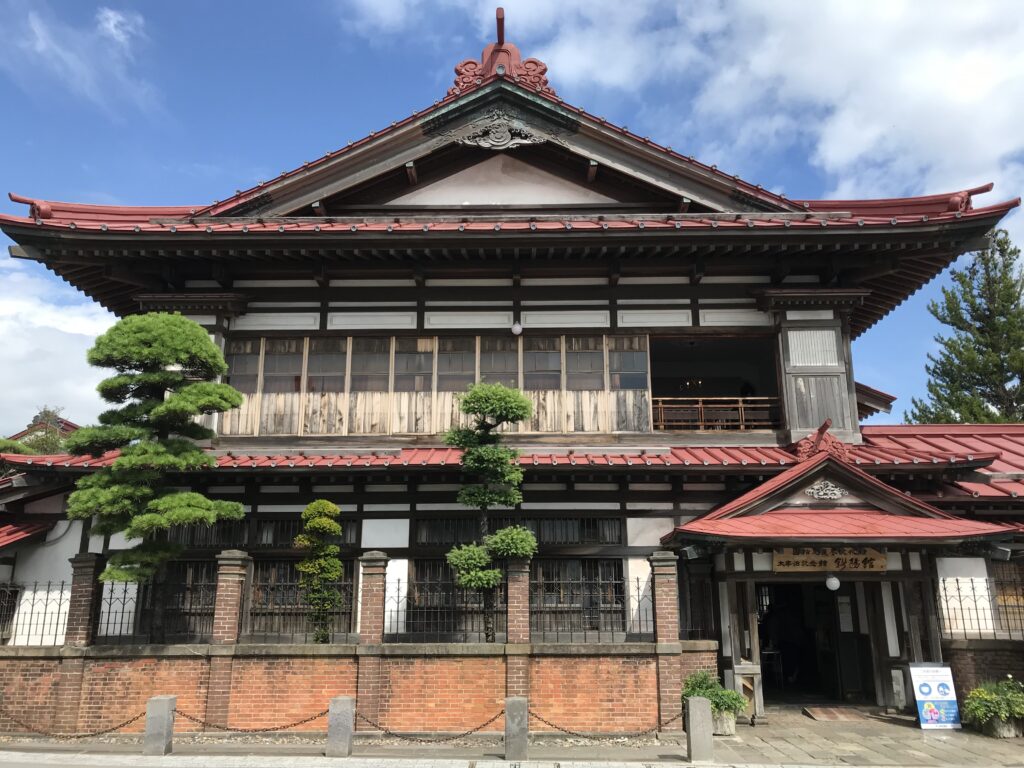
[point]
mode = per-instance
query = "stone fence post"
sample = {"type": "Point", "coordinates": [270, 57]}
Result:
{"type": "Point", "coordinates": [665, 596]}
{"type": "Point", "coordinates": [372, 596]}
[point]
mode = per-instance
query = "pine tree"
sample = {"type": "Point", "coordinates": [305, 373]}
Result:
{"type": "Point", "coordinates": [978, 374]}
{"type": "Point", "coordinates": [498, 478]}
{"type": "Point", "coordinates": [166, 369]}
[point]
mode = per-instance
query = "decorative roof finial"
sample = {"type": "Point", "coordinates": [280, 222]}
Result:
{"type": "Point", "coordinates": [501, 59]}
{"type": "Point", "coordinates": [822, 441]}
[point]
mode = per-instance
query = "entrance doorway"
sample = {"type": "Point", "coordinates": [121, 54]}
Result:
{"type": "Point", "coordinates": [812, 645]}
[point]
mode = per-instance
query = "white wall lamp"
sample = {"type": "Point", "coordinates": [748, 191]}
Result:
{"type": "Point", "coordinates": [517, 328]}
{"type": "Point", "coordinates": [832, 583]}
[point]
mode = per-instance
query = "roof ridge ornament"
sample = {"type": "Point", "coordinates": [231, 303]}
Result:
{"type": "Point", "coordinates": [501, 59]}
{"type": "Point", "coordinates": [822, 441]}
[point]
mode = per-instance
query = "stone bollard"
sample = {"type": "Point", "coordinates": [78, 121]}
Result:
{"type": "Point", "coordinates": [699, 730]}
{"type": "Point", "coordinates": [517, 727]}
{"type": "Point", "coordinates": [341, 724]}
{"type": "Point", "coordinates": [159, 725]}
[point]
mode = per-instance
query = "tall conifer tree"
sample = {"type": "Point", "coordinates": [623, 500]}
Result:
{"type": "Point", "coordinates": [978, 374]}
{"type": "Point", "coordinates": [166, 371]}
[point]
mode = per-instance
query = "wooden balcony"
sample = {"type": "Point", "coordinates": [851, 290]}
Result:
{"type": "Point", "coordinates": [716, 413]}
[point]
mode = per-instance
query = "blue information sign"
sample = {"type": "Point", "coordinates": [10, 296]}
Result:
{"type": "Point", "coordinates": [935, 696]}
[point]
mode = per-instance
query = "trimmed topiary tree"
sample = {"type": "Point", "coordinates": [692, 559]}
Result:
{"type": "Point", "coordinates": [498, 480]}
{"type": "Point", "coordinates": [166, 369]}
{"type": "Point", "coordinates": [321, 569]}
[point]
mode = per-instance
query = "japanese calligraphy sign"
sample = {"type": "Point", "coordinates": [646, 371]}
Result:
{"type": "Point", "coordinates": [828, 560]}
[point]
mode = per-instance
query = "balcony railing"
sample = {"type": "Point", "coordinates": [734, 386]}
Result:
{"type": "Point", "coordinates": [716, 413]}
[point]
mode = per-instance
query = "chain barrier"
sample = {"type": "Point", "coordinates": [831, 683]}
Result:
{"type": "Point", "coordinates": [215, 726]}
{"type": "Point", "coordinates": [422, 740]}
{"type": "Point", "coordinates": [580, 735]}
{"type": "Point", "coordinates": [56, 735]}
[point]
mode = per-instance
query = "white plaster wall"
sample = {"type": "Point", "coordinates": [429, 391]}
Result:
{"type": "Point", "coordinates": [647, 531]}
{"type": "Point", "coordinates": [966, 606]}
{"type": "Point", "coordinates": [51, 505]}
{"type": "Point", "coordinates": [396, 590]}
{"type": "Point", "coordinates": [501, 180]}
{"type": "Point", "coordinates": [639, 597]}
{"type": "Point", "coordinates": [44, 571]}
{"type": "Point", "coordinates": [385, 533]}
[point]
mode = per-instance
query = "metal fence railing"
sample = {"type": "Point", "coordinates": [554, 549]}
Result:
{"type": "Point", "coordinates": [34, 613]}
{"type": "Point", "coordinates": [441, 612]}
{"type": "Point", "coordinates": [279, 612]}
{"type": "Point", "coordinates": [981, 608]}
{"type": "Point", "coordinates": [163, 611]}
{"type": "Point", "coordinates": [591, 611]}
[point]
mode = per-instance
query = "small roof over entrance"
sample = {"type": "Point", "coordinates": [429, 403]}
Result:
{"type": "Point", "coordinates": [825, 499]}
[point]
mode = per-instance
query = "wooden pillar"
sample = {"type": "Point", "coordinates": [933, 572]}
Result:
{"type": "Point", "coordinates": [517, 637]}
{"type": "Point", "coordinates": [84, 600]}
{"type": "Point", "coordinates": [369, 680]}
{"type": "Point", "coordinates": [665, 591]}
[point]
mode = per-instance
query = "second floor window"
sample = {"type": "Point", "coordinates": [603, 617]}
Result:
{"type": "Point", "coordinates": [584, 363]}
{"type": "Point", "coordinates": [542, 363]}
{"type": "Point", "coordinates": [243, 359]}
{"type": "Point", "coordinates": [499, 360]}
{"type": "Point", "coordinates": [282, 365]}
{"type": "Point", "coordinates": [325, 368]}
{"type": "Point", "coordinates": [371, 363]}
{"type": "Point", "coordinates": [414, 365]}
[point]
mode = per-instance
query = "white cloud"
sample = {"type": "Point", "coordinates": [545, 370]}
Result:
{"type": "Point", "coordinates": [95, 62]}
{"type": "Point", "coordinates": [46, 331]}
{"type": "Point", "coordinates": [881, 97]}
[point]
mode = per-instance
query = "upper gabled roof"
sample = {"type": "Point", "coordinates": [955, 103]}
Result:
{"type": "Point", "coordinates": [499, 102]}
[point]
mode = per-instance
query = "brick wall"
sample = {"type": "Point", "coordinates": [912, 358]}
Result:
{"type": "Point", "coordinates": [976, 661]}
{"type": "Point", "coordinates": [117, 689]}
{"type": "Point", "coordinates": [29, 691]}
{"type": "Point", "coordinates": [595, 693]}
{"type": "Point", "coordinates": [268, 692]}
{"type": "Point", "coordinates": [422, 688]}
{"type": "Point", "coordinates": [442, 693]}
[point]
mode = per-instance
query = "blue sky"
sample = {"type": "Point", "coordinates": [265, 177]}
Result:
{"type": "Point", "coordinates": [184, 102]}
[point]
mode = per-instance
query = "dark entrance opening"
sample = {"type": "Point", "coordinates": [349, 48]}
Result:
{"type": "Point", "coordinates": [812, 645]}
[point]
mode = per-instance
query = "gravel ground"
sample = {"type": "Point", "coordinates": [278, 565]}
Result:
{"type": "Point", "coordinates": [316, 739]}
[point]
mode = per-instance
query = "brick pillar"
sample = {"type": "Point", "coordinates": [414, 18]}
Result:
{"type": "Point", "coordinates": [371, 635]}
{"type": "Point", "coordinates": [665, 593]}
{"type": "Point", "coordinates": [517, 659]}
{"type": "Point", "coordinates": [233, 568]}
{"type": "Point", "coordinates": [232, 574]}
{"type": "Point", "coordinates": [84, 600]}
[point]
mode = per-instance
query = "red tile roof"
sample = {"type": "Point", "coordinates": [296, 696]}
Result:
{"type": "Point", "coordinates": [840, 525]}
{"type": "Point", "coordinates": [1005, 441]}
{"type": "Point", "coordinates": [121, 220]}
{"type": "Point", "coordinates": [440, 457]}
{"type": "Point", "coordinates": [15, 532]}
{"type": "Point", "coordinates": [739, 518]}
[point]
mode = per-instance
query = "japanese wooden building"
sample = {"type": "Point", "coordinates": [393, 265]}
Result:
{"type": "Point", "coordinates": [685, 337]}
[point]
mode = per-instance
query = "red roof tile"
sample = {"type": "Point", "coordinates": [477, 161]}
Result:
{"type": "Point", "coordinates": [124, 221]}
{"type": "Point", "coordinates": [440, 457]}
{"type": "Point", "coordinates": [15, 532]}
{"type": "Point", "coordinates": [839, 525]}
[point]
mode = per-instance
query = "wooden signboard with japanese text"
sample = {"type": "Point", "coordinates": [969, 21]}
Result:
{"type": "Point", "coordinates": [828, 560]}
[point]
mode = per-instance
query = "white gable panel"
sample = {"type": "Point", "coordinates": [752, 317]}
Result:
{"type": "Point", "coordinates": [502, 180]}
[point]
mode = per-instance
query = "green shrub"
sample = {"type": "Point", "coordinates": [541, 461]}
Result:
{"type": "Point", "coordinates": [722, 699]}
{"type": "Point", "coordinates": [321, 569]}
{"type": "Point", "coordinates": [1001, 700]}
{"type": "Point", "coordinates": [512, 542]}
